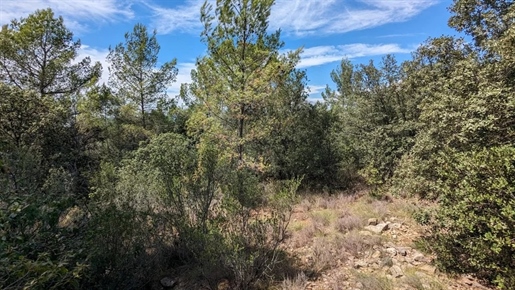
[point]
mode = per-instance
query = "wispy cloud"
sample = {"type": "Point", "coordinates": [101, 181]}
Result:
{"type": "Point", "coordinates": [76, 13]}
{"type": "Point", "coordinates": [306, 17]}
{"type": "Point", "coordinates": [183, 18]}
{"type": "Point", "coordinates": [315, 89]}
{"type": "Point", "coordinates": [302, 17]}
{"type": "Point", "coordinates": [399, 35]}
{"type": "Point", "coordinates": [319, 55]}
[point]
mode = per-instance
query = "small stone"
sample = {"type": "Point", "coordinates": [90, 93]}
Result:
{"type": "Point", "coordinates": [379, 228]}
{"type": "Point", "coordinates": [372, 222]}
{"type": "Point", "coordinates": [360, 264]}
{"type": "Point", "coordinates": [394, 237]}
{"type": "Point", "coordinates": [167, 282]}
{"type": "Point", "coordinates": [419, 257]}
{"type": "Point", "coordinates": [402, 251]}
{"type": "Point", "coordinates": [391, 251]}
{"type": "Point", "coordinates": [376, 255]}
{"type": "Point", "coordinates": [396, 271]}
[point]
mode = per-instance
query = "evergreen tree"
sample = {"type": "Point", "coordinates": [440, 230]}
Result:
{"type": "Point", "coordinates": [134, 73]}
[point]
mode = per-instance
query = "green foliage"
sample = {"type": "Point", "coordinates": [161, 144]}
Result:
{"type": "Point", "coordinates": [475, 226]}
{"type": "Point", "coordinates": [36, 250]}
{"type": "Point", "coordinates": [377, 117]}
{"type": "Point", "coordinates": [134, 73]}
{"type": "Point", "coordinates": [183, 202]}
{"type": "Point", "coordinates": [463, 152]}
{"type": "Point", "coordinates": [37, 54]}
{"type": "Point", "coordinates": [237, 82]}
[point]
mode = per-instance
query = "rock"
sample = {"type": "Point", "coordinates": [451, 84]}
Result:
{"type": "Point", "coordinates": [168, 282]}
{"type": "Point", "coordinates": [379, 228]}
{"type": "Point", "coordinates": [372, 222]}
{"type": "Point", "coordinates": [402, 251]}
{"type": "Point", "coordinates": [396, 271]}
{"type": "Point", "coordinates": [376, 255]}
{"type": "Point", "coordinates": [428, 269]}
{"type": "Point", "coordinates": [360, 264]}
{"type": "Point", "coordinates": [419, 257]}
{"type": "Point", "coordinates": [391, 251]}
{"type": "Point", "coordinates": [395, 226]}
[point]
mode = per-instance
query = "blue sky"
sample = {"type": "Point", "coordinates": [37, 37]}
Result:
{"type": "Point", "coordinates": [329, 30]}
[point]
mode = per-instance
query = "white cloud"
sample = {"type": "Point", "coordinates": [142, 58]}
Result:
{"type": "Point", "coordinates": [184, 76]}
{"type": "Point", "coordinates": [95, 55]}
{"type": "Point", "coordinates": [305, 17]}
{"type": "Point", "coordinates": [302, 17]}
{"type": "Point", "coordinates": [315, 89]}
{"type": "Point", "coordinates": [75, 12]}
{"type": "Point", "coordinates": [319, 55]}
{"type": "Point", "coordinates": [183, 18]}
{"type": "Point", "coordinates": [100, 55]}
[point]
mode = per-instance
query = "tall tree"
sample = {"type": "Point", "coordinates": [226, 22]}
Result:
{"type": "Point", "coordinates": [239, 77]}
{"type": "Point", "coordinates": [38, 52]}
{"type": "Point", "coordinates": [134, 71]}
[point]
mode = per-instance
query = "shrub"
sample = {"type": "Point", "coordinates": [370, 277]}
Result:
{"type": "Point", "coordinates": [474, 230]}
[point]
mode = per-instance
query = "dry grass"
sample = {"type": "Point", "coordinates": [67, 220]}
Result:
{"type": "Point", "coordinates": [420, 281]}
{"type": "Point", "coordinates": [324, 217]}
{"type": "Point", "coordinates": [371, 281]}
{"type": "Point", "coordinates": [348, 223]}
{"type": "Point", "coordinates": [356, 243]}
{"type": "Point", "coordinates": [327, 230]}
{"type": "Point", "coordinates": [323, 258]}
{"type": "Point", "coordinates": [300, 282]}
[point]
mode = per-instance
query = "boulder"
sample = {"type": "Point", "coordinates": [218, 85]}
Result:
{"type": "Point", "coordinates": [396, 271]}
{"type": "Point", "coordinates": [372, 221]}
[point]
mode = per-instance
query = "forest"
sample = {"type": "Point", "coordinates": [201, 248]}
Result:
{"type": "Point", "coordinates": [110, 186]}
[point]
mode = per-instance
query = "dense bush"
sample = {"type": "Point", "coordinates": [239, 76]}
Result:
{"type": "Point", "coordinates": [475, 225]}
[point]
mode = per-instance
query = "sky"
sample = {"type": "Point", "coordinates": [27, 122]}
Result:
{"type": "Point", "coordinates": [328, 30]}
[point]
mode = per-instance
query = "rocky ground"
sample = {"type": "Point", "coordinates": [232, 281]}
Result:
{"type": "Point", "coordinates": [353, 241]}
{"type": "Point", "coordinates": [358, 242]}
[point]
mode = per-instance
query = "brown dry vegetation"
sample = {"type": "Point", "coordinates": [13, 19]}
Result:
{"type": "Point", "coordinates": [334, 251]}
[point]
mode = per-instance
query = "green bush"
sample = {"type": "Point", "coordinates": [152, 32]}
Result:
{"type": "Point", "coordinates": [173, 204]}
{"type": "Point", "coordinates": [474, 230]}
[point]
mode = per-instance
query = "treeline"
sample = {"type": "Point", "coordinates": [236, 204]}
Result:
{"type": "Point", "coordinates": [113, 186]}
